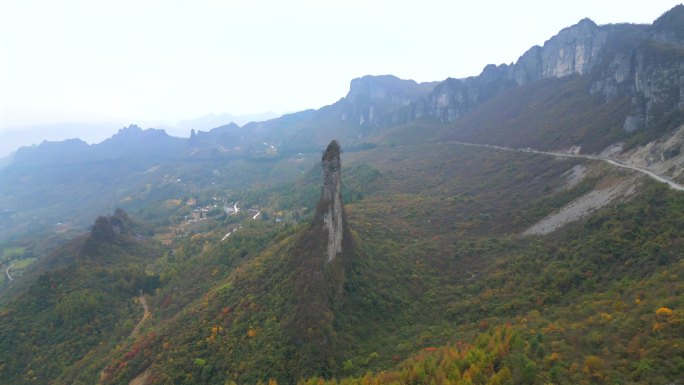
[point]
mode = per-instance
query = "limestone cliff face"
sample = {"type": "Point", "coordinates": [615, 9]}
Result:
{"type": "Point", "coordinates": [668, 27]}
{"type": "Point", "coordinates": [454, 97]}
{"type": "Point", "coordinates": [330, 206]}
{"type": "Point", "coordinates": [575, 50]}
{"type": "Point", "coordinates": [644, 63]}
{"type": "Point", "coordinates": [382, 100]}
{"type": "Point", "coordinates": [656, 86]}
{"type": "Point", "coordinates": [639, 68]}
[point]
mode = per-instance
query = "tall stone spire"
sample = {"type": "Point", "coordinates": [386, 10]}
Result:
{"type": "Point", "coordinates": [330, 205]}
{"type": "Point", "coordinates": [320, 265]}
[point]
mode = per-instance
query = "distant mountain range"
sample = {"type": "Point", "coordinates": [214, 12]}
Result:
{"type": "Point", "coordinates": [457, 232]}
{"type": "Point", "coordinates": [590, 88]}
{"type": "Point", "coordinates": [95, 132]}
{"type": "Point", "coordinates": [182, 128]}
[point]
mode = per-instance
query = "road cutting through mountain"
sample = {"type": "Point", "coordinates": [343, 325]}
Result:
{"type": "Point", "coordinates": [611, 161]}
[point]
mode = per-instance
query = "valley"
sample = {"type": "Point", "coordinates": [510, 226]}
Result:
{"type": "Point", "coordinates": [521, 226]}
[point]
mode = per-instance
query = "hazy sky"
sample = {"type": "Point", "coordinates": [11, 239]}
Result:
{"type": "Point", "coordinates": [146, 60]}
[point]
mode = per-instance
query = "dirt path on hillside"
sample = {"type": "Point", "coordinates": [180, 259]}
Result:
{"type": "Point", "coordinates": [142, 377]}
{"type": "Point", "coordinates": [146, 315]}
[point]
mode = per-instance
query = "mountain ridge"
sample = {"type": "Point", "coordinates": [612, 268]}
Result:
{"type": "Point", "coordinates": [613, 55]}
{"type": "Point", "coordinates": [614, 86]}
{"type": "Point", "coordinates": [262, 262]}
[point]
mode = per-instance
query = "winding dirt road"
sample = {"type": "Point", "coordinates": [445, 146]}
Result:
{"type": "Point", "coordinates": [613, 162]}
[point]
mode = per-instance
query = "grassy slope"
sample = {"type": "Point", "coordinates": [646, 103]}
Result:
{"type": "Point", "coordinates": [82, 304]}
{"type": "Point", "coordinates": [438, 262]}
{"type": "Point", "coordinates": [598, 303]}
{"type": "Point", "coordinates": [589, 291]}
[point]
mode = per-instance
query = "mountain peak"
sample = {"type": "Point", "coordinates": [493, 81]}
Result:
{"type": "Point", "coordinates": [372, 97]}
{"type": "Point", "coordinates": [131, 127]}
{"type": "Point", "coordinates": [49, 152]}
{"type": "Point", "coordinates": [676, 13]}
{"type": "Point", "coordinates": [376, 87]}
{"type": "Point", "coordinates": [387, 87]}
{"type": "Point", "coordinates": [134, 131]}
{"type": "Point", "coordinates": [131, 131]}
{"type": "Point", "coordinates": [671, 24]}
{"type": "Point", "coordinates": [586, 22]}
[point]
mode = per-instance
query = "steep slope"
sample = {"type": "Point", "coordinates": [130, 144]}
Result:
{"type": "Point", "coordinates": [637, 62]}
{"type": "Point", "coordinates": [64, 183]}
{"type": "Point", "coordinates": [429, 250]}
{"type": "Point", "coordinates": [624, 79]}
{"type": "Point", "coordinates": [588, 87]}
{"type": "Point", "coordinates": [133, 141]}
{"type": "Point", "coordinates": [552, 114]}
{"type": "Point", "coordinates": [272, 316]}
{"type": "Point", "coordinates": [438, 259]}
{"type": "Point", "coordinates": [322, 254]}
{"type": "Point", "coordinates": [81, 302]}
{"type": "Point", "coordinates": [372, 104]}
{"type": "Point", "coordinates": [137, 167]}
{"type": "Point", "coordinates": [442, 266]}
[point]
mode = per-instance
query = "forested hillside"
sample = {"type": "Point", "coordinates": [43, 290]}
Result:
{"type": "Point", "coordinates": [508, 228]}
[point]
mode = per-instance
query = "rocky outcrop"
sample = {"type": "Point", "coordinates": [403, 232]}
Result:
{"type": "Point", "coordinates": [331, 200]}
{"type": "Point", "coordinates": [107, 228]}
{"type": "Point", "coordinates": [322, 252]}
{"type": "Point", "coordinates": [646, 64]}
{"type": "Point", "coordinates": [574, 50]}
{"type": "Point", "coordinates": [452, 98]}
{"type": "Point", "coordinates": [664, 156]}
{"type": "Point", "coordinates": [116, 228]}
